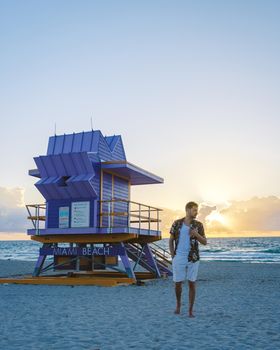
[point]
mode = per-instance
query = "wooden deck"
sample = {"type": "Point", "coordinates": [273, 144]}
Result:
{"type": "Point", "coordinates": [95, 278]}
{"type": "Point", "coordinates": [96, 238]}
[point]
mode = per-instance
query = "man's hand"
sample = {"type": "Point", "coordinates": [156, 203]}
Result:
{"type": "Point", "coordinates": [194, 232]}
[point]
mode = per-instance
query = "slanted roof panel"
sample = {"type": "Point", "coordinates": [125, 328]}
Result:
{"type": "Point", "coordinates": [68, 164]}
{"type": "Point", "coordinates": [136, 175]}
{"type": "Point", "coordinates": [68, 143]}
{"type": "Point", "coordinates": [87, 141]}
{"type": "Point", "coordinates": [58, 145]}
{"type": "Point", "coordinates": [95, 141]}
{"type": "Point", "coordinates": [43, 172]}
{"type": "Point", "coordinates": [87, 163]}
{"type": "Point", "coordinates": [51, 145]}
{"type": "Point", "coordinates": [48, 164]}
{"type": "Point", "coordinates": [58, 162]}
{"type": "Point", "coordinates": [77, 142]}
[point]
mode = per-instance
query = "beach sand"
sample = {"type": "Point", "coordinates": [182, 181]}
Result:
{"type": "Point", "coordinates": [237, 307]}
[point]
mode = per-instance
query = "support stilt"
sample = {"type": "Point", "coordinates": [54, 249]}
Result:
{"type": "Point", "coordinates": [150, 258]}
{"type": "Point", "coordinates": [40, 261]}
{"type": "Point", "coordinates": [126, 262]}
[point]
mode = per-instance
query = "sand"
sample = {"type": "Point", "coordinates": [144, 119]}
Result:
{"type": "Point", "coordinates": [237, 307]}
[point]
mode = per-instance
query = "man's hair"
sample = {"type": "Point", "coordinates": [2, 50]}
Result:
{"type": "Point", "coordinates": [190, 205]}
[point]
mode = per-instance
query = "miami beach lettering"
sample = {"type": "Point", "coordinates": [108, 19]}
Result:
{"type": "Point", "coordinates": [82, 251]}
{"type": "Point", "coordinates": [65, 251]}
{"type": "Point", "coordinates": [78, 251]}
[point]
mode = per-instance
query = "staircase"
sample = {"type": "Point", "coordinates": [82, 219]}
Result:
{"type": "Point", "coordinates": [161, 263]}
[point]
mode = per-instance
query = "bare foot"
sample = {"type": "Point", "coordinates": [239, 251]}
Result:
{"type": "Point", "coordinates": [178, 310]}
{"type": "Point", "coordinates": [191, 314]}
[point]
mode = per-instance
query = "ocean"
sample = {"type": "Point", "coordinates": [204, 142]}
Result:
{"type": "Point", "coordinates": [247, 250]}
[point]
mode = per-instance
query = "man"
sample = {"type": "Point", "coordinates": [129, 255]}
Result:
{"type": "Point", "coordinates": [185, 234]}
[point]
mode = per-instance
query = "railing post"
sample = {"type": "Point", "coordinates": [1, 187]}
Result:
{"type": "Point", "coordinates": [149, 219]}
{"type": "Point", "coordinates": [109, 214]}
{"type": "Point", "coordinates": [128, 213]}
{"type": "Point", "coordinates": [37, 218]}
{"type": "Point", "coordinates": [112, 217]}
{"type": "Point", "coordinates": [157, 220]}
{"type": "Point", "coordinates": [100, 213]}
{"type": "Point", "coordinates": [139, 216]}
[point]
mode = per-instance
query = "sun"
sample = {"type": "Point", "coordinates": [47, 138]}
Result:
{"type": "Point", "coordinates": [216, 216]}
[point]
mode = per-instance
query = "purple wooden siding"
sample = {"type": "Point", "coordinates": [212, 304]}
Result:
{"type": "Point", "coordinates": [116, 147]}
{"type": "Point", "coordinates": [121, 191]}
{"type": "Point", "coordinates": [95, 181]}
{"type": "Point", "coordinates": [104, 150]}
{"type": "Point", "coordinates": [106, 195]}
{"type": "Point", "coordinates": [53, 211]}
{"type": "Point", "coordinates": [118, 152]}
{"type": "Point", "coordinates": [111, 140]}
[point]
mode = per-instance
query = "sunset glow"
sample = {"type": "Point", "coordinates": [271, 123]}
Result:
{"type": "Point", "coordinates": [215, 216]}
{"type": "Point", "coordinates": [192, 88]}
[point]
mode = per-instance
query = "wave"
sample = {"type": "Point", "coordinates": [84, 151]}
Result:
{"type": "Point", "coordinates": [245, 250]}
{"type": "Point", "coordinates": [272, 251]}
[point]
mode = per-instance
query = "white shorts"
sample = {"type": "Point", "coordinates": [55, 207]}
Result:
{"type": "Point", "coordinates": [183, 268]}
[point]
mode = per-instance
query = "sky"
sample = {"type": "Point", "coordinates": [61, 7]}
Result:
{"type": "Point", "coordinates": [192, 87]}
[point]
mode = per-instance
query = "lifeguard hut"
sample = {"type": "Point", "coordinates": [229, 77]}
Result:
{"type": "Point", "coordinates": [89, 227]}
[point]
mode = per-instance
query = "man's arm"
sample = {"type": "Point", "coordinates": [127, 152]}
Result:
{"type": "Point", "coordinates": [201, 239]}
{"type": "Point", "coordinates": [171, 245]}
{"type": "Point", "coordinates": [199, 236]}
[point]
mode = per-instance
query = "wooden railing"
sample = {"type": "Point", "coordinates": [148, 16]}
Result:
{"type": "Point", "coordinates": [114, 213]}
{"type": "Point", "coordinates": [125, 213]}
{"type": "Point", "coordinates": [37, 213]}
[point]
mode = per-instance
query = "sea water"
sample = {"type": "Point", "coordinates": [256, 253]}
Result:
{"type": "Point", "coordinates": [248, 250]}
{"type": "Point", "coordinates": [244, 249]}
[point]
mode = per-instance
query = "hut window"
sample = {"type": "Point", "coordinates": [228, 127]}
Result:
{"type": "Point", "coordinates": [62, 181]}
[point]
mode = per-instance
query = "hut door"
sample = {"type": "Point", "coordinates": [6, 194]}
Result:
{"type": "Point", "coordinates": [120, 191]}
{"type": "Point", "coordinates": [115, 213]}
{"type": "Point", "coordinates": [106, 206]}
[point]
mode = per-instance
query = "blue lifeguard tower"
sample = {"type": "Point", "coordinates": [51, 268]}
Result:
{"type": "Point", "coordinates": [89, 225]}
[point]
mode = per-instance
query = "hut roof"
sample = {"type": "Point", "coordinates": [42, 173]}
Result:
{"type": "Point", "coordinates": [107, 148]}
{"type": "Point", "coordinates": [72, 156]}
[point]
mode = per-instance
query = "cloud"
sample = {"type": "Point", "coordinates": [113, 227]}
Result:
{"type": "Point", "coordinates": [13, 216]}
{"type": "Point", "coordinates": [167, 217]}
{"type": "Point", "coordinates": [11, 197]}
{"type": "Point", "coordinates": [254, 214]}
{"type": "Point", "coordinates": [258, 214]}
{"type": "Point", "coordinates": [204, 211]}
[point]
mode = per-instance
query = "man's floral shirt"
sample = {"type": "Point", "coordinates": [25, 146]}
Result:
{"type": "Point", "coordinates": [194, 247]}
